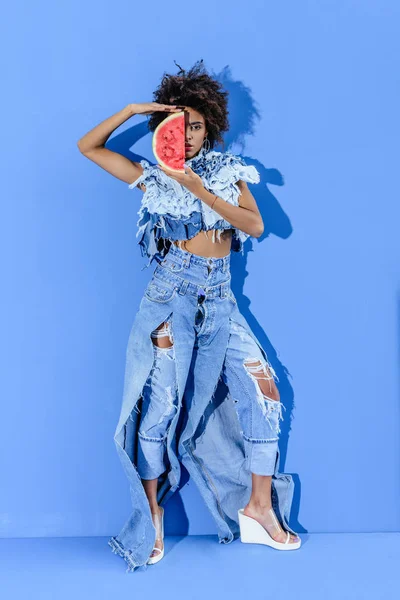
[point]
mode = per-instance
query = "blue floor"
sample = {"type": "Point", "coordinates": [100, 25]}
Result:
{"type": "Point", "coordinates": [327, 566]}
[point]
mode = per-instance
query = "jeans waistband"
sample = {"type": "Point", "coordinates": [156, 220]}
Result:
{"type": "Point", "coordinates": [192, 288]}
{"type": "Point", "coordinates": [220, 263]}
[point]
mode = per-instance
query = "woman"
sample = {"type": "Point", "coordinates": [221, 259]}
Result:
{"type": "Point", "coordinates": [199, 389]}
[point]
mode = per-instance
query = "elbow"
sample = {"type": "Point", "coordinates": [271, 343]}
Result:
{"type": "Point", "coordinates": [81, 146]}
{"type": "Point", "coordinates": [259, 229]}
{"type": "Point", "coordinates": [84, 148]}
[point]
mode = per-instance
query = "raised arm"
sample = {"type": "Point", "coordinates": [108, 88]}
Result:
{"type": "Point", "coordinates": [92, 144]}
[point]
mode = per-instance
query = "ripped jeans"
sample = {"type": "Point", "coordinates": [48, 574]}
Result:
{"type": "Point", "coordinates": [246, 371]}
{"type": "Point", "coordinates": [158, 408]}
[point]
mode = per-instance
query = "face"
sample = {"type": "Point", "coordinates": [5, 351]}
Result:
{"type": "Point", "coordinates": [195, 132]}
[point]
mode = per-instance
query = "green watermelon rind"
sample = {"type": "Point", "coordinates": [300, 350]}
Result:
{"type": "Point", "coordinates": [156, 131]}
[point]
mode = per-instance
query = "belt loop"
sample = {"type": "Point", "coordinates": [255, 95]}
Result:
{"type": "Point", "coordinates": [183, 287]}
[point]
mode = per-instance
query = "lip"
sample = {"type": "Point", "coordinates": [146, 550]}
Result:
{"type": "Point", "coordinates": [187, 147]}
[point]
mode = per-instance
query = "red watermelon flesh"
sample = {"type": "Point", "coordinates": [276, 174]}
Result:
{"type": "Point", "coordinates": [169, 142]}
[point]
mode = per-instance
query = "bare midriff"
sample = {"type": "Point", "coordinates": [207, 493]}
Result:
{"type": "Point", "coordinates": [203, 245]}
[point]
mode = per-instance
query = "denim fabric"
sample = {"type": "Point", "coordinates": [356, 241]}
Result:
{"type": "Point", "coordinates": [160, 401]}
{"type": "Point", "coordinates": [212, 418]}
{"type": "Point", "coordinates": [169, 211]}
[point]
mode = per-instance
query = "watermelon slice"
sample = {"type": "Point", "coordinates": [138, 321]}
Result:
{"type": "Point", "coordinates": [169, 142]}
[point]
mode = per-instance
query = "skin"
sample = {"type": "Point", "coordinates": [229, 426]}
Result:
{"type": "Point", "coordinates": [246, 217]}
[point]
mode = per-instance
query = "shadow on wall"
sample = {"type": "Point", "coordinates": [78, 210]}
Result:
{"type": "Point", "coordinates": [243, 116]}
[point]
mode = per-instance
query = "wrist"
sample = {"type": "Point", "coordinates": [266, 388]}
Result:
{"type": "Point", "coordinates": [206, 196]}
{"type": "Point", "coordinates": [130, 109]}
{"type": "Point", "coordinates": [213, 202]}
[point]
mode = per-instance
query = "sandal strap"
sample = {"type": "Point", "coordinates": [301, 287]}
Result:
{"type": "Point", "coordinates": [287, 537]}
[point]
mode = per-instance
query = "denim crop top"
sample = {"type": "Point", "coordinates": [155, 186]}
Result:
{"type": "Point", "coordinates": [170, 212]}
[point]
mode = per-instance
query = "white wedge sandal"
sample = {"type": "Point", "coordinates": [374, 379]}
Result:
{"type": "Point", "coordinates": [252, 532]}
{"type": "Point", "coordinates": [159, 525]}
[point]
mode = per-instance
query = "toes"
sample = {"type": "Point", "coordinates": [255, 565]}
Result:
{"type": "Point", "coordinates": [159, 547]}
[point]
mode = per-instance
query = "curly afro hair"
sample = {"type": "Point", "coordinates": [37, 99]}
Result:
{"type": "Point", "coordinates": [197, 89]}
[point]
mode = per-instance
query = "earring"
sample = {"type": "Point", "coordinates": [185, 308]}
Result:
{"type": "Point", "coordinates": [206, 148]}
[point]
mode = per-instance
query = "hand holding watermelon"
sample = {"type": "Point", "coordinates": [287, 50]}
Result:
{"type": "Point", "coordinates": [189, 179]}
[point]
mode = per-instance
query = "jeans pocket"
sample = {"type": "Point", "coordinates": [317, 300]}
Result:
{"type": "Point", "coordinates": [159, 291]}
{"type": "Point", "coordinates": [172, 264]}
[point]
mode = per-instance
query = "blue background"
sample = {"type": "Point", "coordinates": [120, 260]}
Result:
{"type": "Point", "coordinates": [314, 106]}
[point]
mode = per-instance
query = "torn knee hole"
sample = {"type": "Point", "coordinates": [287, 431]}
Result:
{"type": "Point", "coordinates": [264, 374]}
{"type": "Point", "coordinates": [162, 336]}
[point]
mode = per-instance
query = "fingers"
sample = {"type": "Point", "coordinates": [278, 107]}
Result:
{"type": "Point", "coordinates": [172, 107]}
{"type": "Point", "coordinates": [173, 174]}
{"type": "Point", "coordinates": [167, 171]}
